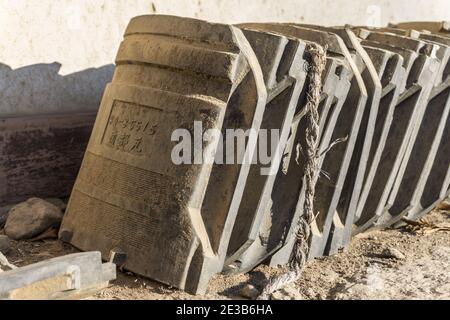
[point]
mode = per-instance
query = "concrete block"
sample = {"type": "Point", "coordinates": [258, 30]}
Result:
{"type": "Point", "coordinates": [420, 66]}
{"type": "Point", "coordinates": [337, 161]}
{"type": "Point", "coordinates": [351, 189]}
{"type": "Point", "coordinates": [288, 198]}
{"type": "Point", "coordinates": [283, 104]}
{"type": "Point", "coordinates": [276, 226]}
{"type": "Point", "coordinates": [408, 200]}
{"type": "Point", "coordinates": [283, 210]}
{"type": "Point", "coordinates": [336, 46]}
{"type": "Point", "coordinates": [414, 171]}
{"type": "Point", "coordinates": [437, 185]}
{"type": "Point", "coordinates": [223, 85]}
{"type": "Point", "coordinates": [172, 222]}
{"type": "Point", "coordinates": [73, 276]}
{"type": "Point", "coordinates": [389, 70]}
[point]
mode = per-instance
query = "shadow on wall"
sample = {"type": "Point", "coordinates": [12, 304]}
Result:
{"type": "Point", "coordinates": [40, 89]}
{"type": "Point", "coordinates": [45, 123]}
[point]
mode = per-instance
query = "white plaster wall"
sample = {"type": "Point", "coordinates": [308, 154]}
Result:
{"type": "Point", "coordinates": [56, 56]}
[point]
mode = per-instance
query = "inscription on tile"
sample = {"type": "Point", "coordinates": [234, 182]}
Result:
{"type": "Point", "coordinates": [132, 127]}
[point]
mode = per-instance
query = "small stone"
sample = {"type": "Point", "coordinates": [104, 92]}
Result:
{"type": "Point", "coordinates": [249, 291]}
{"type": "Point", "coordinates": [32, 217]}
{"type": "Point", "coordinates": [393, 253]}
{"type": "Point", "coordinates": [5, 245]}
{"type": "Point", "coordinates": [118, 257]}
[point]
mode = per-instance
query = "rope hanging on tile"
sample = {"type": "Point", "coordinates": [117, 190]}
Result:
{"type": "Point", "coordinates": [312, 170]}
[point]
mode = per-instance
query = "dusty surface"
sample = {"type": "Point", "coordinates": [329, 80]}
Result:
{"type": "Point", "coordinates": [362, 272]}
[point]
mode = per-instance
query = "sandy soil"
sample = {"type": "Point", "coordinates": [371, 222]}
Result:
{"type": "Point", "coordinates": [361, 272]}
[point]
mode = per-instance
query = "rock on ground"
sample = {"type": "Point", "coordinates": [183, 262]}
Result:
{"type": "Point", "coordinates": [393, 253]}
{"type": "Point", "coordinates": [249, 291]}
{"type": "Point", "coordinates": [32, 217]}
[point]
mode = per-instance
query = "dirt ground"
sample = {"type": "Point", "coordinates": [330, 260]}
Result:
{"type": "Point", "coordinates": [363, 271]}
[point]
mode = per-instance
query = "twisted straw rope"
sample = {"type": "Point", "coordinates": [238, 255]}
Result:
{"type": "Point", "coordinates": [303, 232]}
